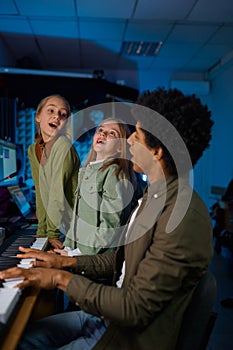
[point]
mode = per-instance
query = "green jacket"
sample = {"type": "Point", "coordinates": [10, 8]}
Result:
{"type": "Point", "coordinates": [162, 269]}
{"type": "Point", "coordinates": [102, 208]}
{"type": "Point", "coordinates": [55, 185]}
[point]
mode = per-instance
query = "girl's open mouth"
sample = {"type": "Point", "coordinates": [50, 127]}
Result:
{"type": "Point", "coordinates": [52, 125]}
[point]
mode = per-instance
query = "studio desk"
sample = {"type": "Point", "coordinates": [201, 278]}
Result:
{"type": "Point", "coordinates": [19, 307]}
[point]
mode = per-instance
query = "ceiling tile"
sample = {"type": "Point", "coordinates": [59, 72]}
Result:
{"type": "Point", "coordinates": [72, 35]}
{"type": "Point", "coordinates": [224, 35]}
{"type": "Point", "coordinates": [105, 8]}
{"type": "Point", "coordinates": [113, 46]}
{"type": "Point", "coordinates": [197, 65]}
{"type": "Point", "coordinates": [146, 31]}
{"type": "Point", "coordinates": [60, 52]}
{"type": "Point", "coordinates": [212, 10]}
{"type": "Point", "coordinates": [25, 50]}
{"type": "Point", "coordinates": [143, 63]}
{"type": "Point", "coordinates": [168, 63]}
{"type": "Point", "coordinates": [186, 33]}
{"type": "Point", "coordinates": [178, 51]}
{"type": "Point", "coordinates": [55, 28]}
{"type": "Point", "coordinates": [163, 10]}
{"type": "Point", "coordinates": [102, 30]}
{"type": "Point", "coordinates": [127, 63]}
{"type": "Point", "coordinates": [46, 7]}
{"type": "Point", "coordinates": [18, 45]}
{"type": "Point", "coordinates": [213, 51]}
{"type": "Point", "coordinates": [15, 25]}
{"type": "Point", "coordinates": [8, 8]}
{"type": "Point", "coordinates": [103, 57]}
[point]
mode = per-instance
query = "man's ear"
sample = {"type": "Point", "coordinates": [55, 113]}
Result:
{"type": "Point", "coordinates": [158, 153]}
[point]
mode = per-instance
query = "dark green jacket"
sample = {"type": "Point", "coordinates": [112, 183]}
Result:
{"type": "Point", "coordinates": [165, 257]}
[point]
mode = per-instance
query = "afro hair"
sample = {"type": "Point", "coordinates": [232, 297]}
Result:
{"type": "Point", "coordinates": [190, 118]}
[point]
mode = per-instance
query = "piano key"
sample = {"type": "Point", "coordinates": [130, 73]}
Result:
{"type": "Point", "coordinates": [7, 262]}
{"type": "Point", "coordinates": [12, 282]}
{"type": "Point", "coordinates": [9, 295]}
{"type": "Point", "coordinates": [9, 299]}
{"type": "Point", "coordinates": [25, 266]}
{"type": "Point", "coordinates": [27, 261]}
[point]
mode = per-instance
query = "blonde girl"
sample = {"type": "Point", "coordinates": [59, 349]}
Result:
{"type": "Point", "coordinates": [104, 193]}
{"type": "Point", "coordinates": [54, 164]}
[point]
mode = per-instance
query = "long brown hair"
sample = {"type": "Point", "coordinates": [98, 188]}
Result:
{"type": "Point", "coordinates": [124, 165]}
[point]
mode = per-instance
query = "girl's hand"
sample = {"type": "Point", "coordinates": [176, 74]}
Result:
{"type": "Point", "coordinates": [55, 243]}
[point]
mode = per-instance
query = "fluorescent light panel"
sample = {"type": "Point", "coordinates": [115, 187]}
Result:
{"type": "Point", "coordinates": [141, 48]}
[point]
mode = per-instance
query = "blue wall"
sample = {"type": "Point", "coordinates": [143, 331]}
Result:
{"type": "Point", "coordinates": [215, 168]}
{"type": "Point", "coordinates": [222, 105]}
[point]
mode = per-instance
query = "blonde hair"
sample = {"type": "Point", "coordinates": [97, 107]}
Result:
{"type": "Point", "coordinates": [40, 106]}
{"type": "Point", "coordinates": [124, 165]}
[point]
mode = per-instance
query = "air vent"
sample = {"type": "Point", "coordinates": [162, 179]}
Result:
{"type": "Point", "coordinates": [140, 48]}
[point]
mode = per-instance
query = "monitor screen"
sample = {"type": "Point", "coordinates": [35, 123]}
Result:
{"type": "Point", "coordinates": [19, 199]}
{"type": "Point", "coordinates": [8, 164]}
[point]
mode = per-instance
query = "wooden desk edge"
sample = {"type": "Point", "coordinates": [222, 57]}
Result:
{"type": "Point", "coordinates": [20, 321]}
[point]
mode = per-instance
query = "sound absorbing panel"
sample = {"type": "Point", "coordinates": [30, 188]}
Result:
{"type": "Point", "coordinates": [7, 118]}
{"type": "Point", "coordinates": [25, 132]}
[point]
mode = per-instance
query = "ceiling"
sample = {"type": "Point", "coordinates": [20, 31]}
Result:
{"type": "Point", "coordinates": [87, 35]}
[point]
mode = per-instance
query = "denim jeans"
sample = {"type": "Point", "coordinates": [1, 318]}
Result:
{"type": "Point", "coordinates": [66, 331]}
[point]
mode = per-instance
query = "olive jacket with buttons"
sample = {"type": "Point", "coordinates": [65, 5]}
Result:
{"type": "Point", "coordinates": [55, 184]}
{"type": "Point", "coordinates": [101, 209]}
{"type": "Point", "coordinates": [167, 250]}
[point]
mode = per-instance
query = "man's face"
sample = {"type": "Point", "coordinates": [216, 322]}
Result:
{"type": "Point", "coordinates": [142, 155]}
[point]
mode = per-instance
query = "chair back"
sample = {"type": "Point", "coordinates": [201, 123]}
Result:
{"type": "Point", "coordinates": [199, 318]}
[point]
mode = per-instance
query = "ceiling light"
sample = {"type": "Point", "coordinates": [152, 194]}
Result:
{"type": "Point", "coordinates": [140, 48]}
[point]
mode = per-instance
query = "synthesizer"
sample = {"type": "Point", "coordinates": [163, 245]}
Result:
{"type": "Point", "coordinates": [9, 295]}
